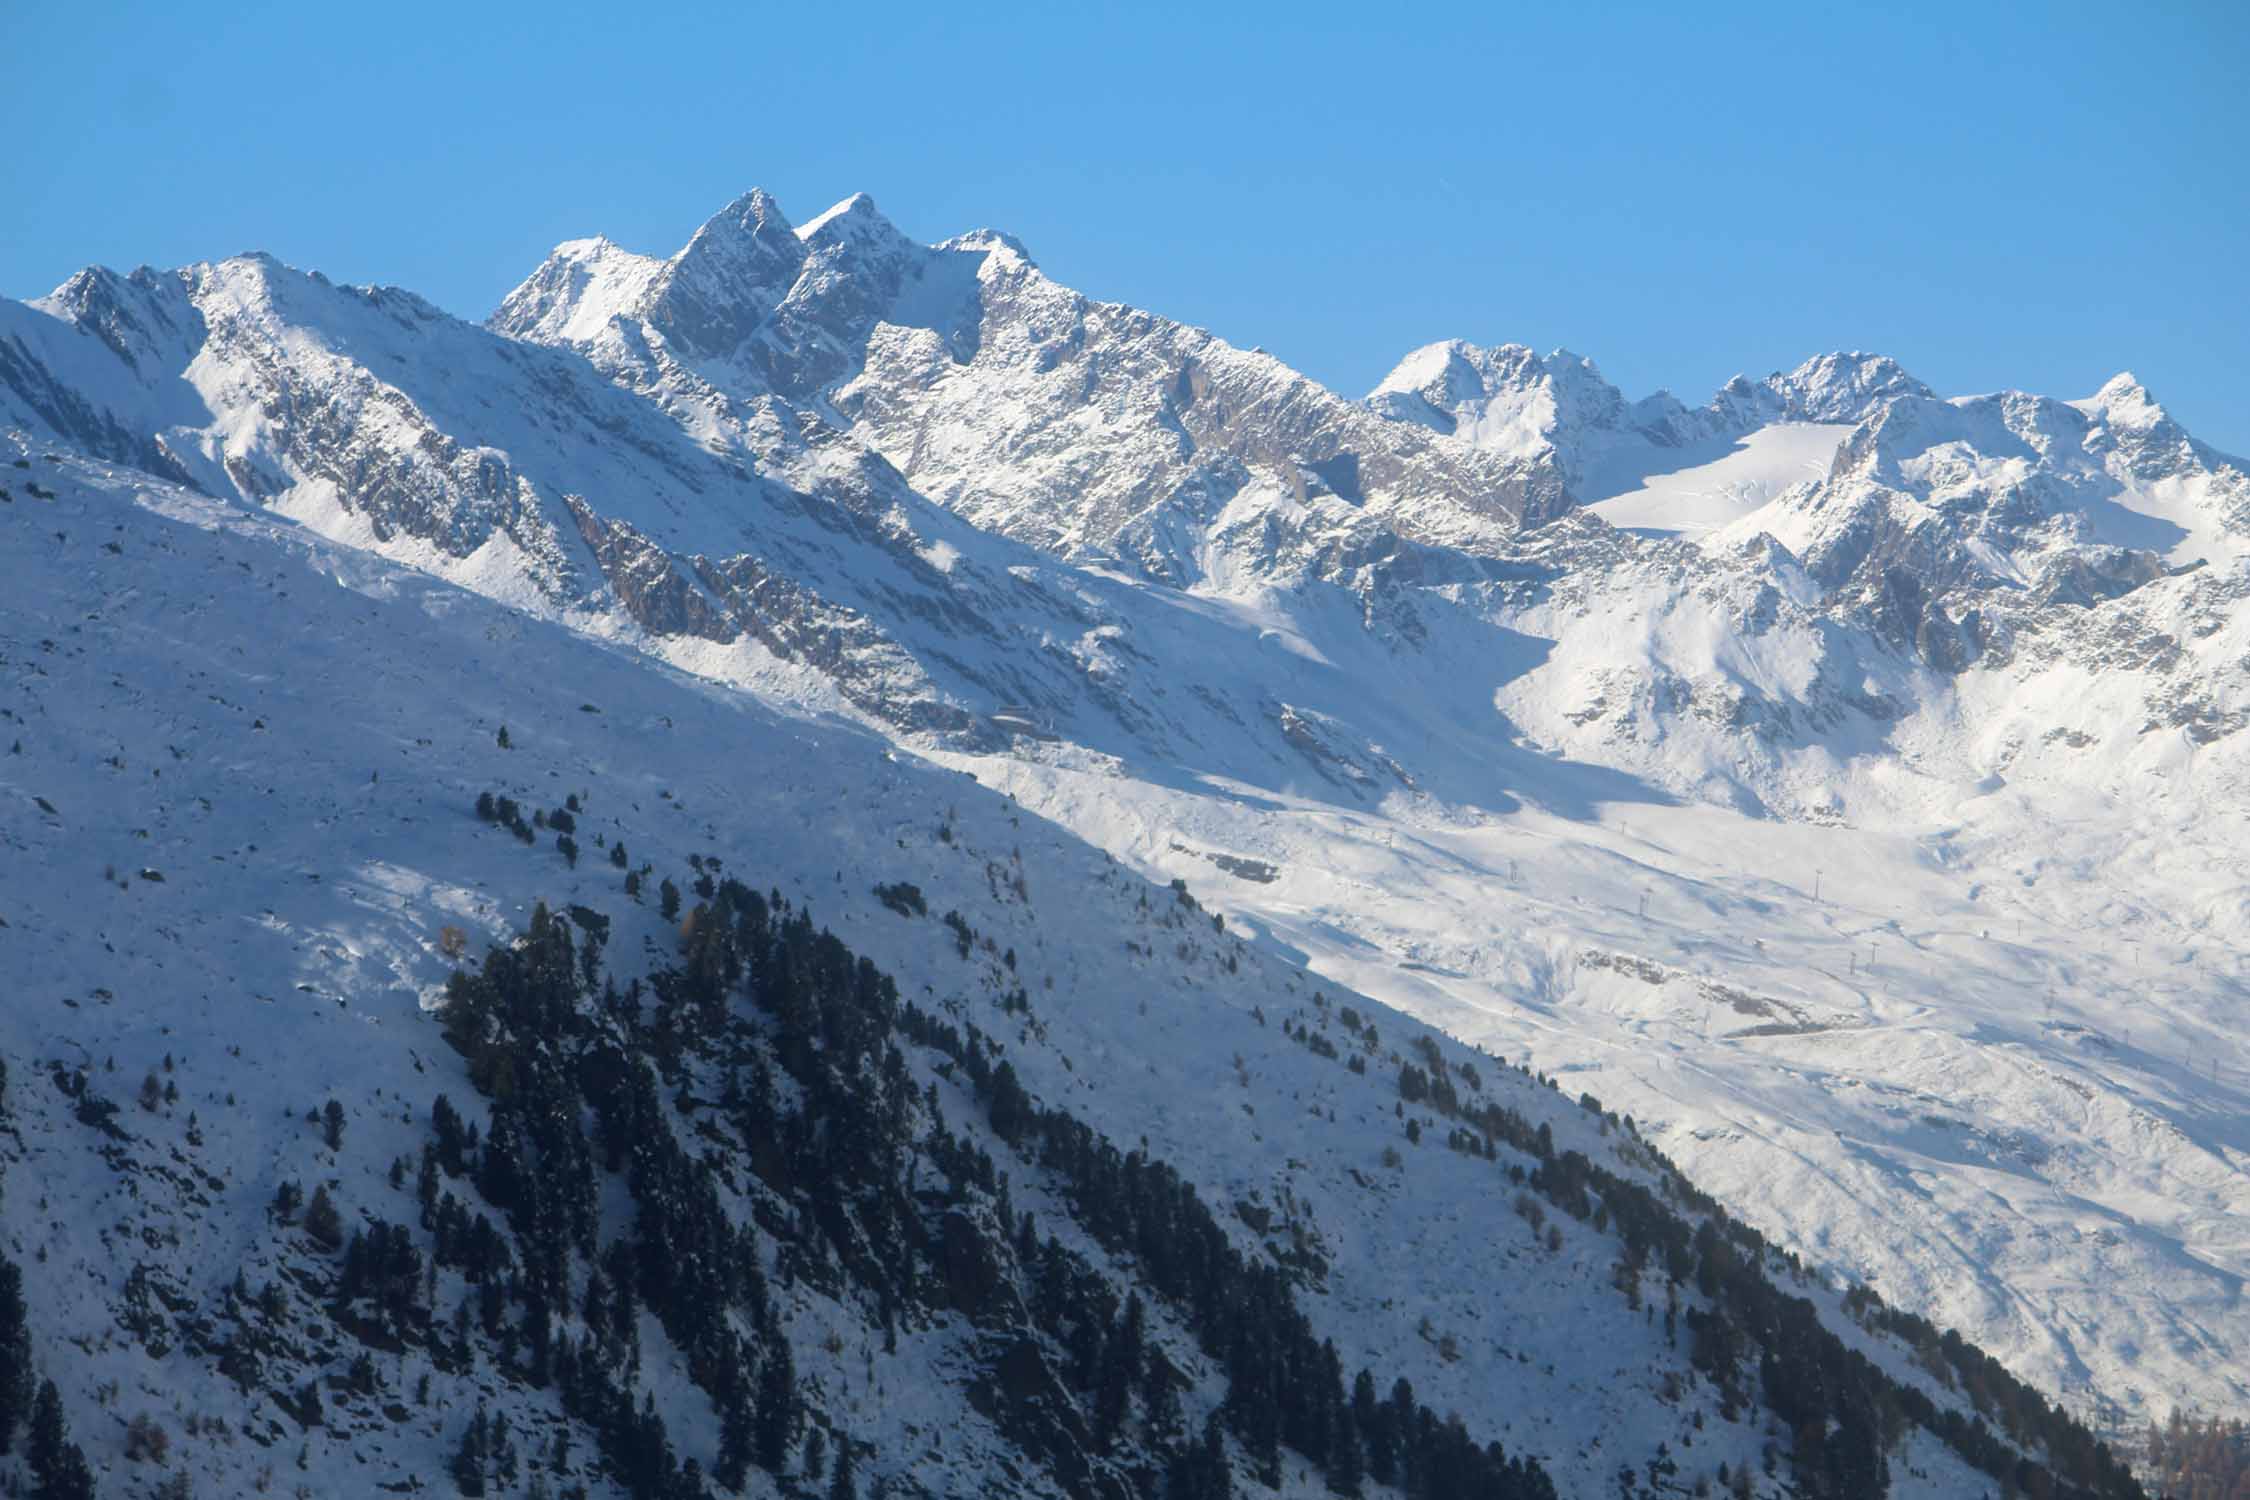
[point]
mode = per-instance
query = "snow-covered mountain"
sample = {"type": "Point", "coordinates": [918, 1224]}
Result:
{"type": "Point", "coordinates": [1843, 780]}
{"type": "Point", "coordinates": [1559, 410]}
{"type": "Point", "coordinates": [1030, 410]}
{"type": "Point", "coordinates": [1015, 1174]}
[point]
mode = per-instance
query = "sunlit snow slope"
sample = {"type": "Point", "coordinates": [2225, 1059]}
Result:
{"type": "Point", "coordinates": [1701, 497]}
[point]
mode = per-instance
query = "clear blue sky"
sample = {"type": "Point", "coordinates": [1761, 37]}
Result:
{"type": "Point", "coordinates": [2031, 195]}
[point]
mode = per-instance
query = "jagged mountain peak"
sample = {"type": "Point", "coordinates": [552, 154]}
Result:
{"type": "Point", "coordinates": [1462, 369]}
{"type": "Point", "coordinates": [1502, 395]}
{"type": "Point", "coordinates": [1428, 384]}
{"type": "Point", "coordinates": [1842, 386]}
{"type": "Point", "coordinates": [1559, 411]}
{"type": "Point", "coordinates": [88, 293]}
{"type": "Point", "coordinates": [708, 296]}
{"type": "Point", "coordinates": [729, 282]}
{"type": "Point", "coordinates": [1513, 401]}
{"type": "Point", "coordinates": [852, 216]}
{"type": "Point", "coordinates": [756, 207]}
{"type": "Point", "coordinates": [594, 251]}
{"type": "Point", "coordinates": [2123, 402]}
{"type": "Point", "coordinates": [575, 292]}
{"type": "Point", "coordinates": [991, 242]}
{"type": "Point", "coordinates": [262, 286]}
{"type": "Point", "coordinates": [715, 292]}
{"type": "Point", "coordinates": [254, 282]}
{"type": "Point", "coordinates": [876, 332]}
{"type": "Point", "coordinates": [84, 285]}
{"type": "Point", "coordinates": [751, 229]}
{"type": "Point", "coordinates": [854, 237]}
{"type": "Point", "coordinates": [1448, 361]}
{"type": "Point", "coordinates": [1965, 499]}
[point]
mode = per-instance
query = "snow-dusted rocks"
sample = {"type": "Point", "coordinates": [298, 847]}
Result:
{"type": "Point", "coordinates": [1024, 406]}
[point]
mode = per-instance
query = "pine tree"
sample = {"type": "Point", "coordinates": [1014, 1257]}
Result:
{"type": "Point", "coordinates": [1011, 1106]}
{"type": "Point", "coordinates": [1218, 1474]}
{"type": "Point", "coordinates": [322, 1220]}
{"type": "Point", "coordinates": [15, 1355]}
{"type": "Point", "coordinates": [452, 1134]}
{"type": "Point", "coordinates": [1115, 1369]}
{"type": "Point", "coordinates": [1346, 1468]}
{"type": "Point", "coordinates": [58, 1469]}
{"type": "Point", "coordinates": [777, 1396]}
{"type": "Point", "coordinates": [426, 1186]}
{"type": "Point", "coordinates": [1160, 1398]}
{"type": "Point", "coordinates": [1369, 1416]}
{"type": "Point", "coordinates": [467, 1466]}
{"type": "Point", "coordinates": [503, 1452]}
{"type": "Point", "coordinates": [733, 1466]}
{"type": "Point", "coordinates": [47, 1436]}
